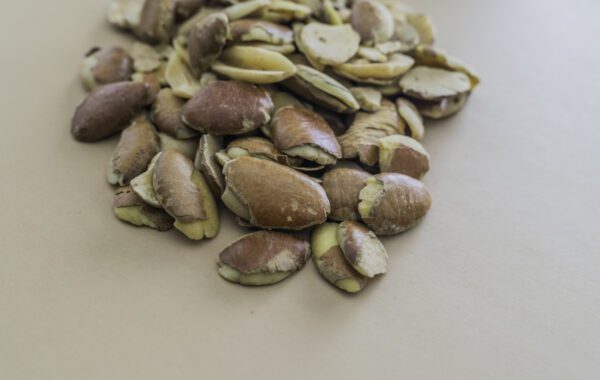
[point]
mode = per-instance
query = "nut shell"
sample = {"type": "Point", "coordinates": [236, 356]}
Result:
{"type": "Point", "coordinates": [343, 186]}
{"type": "Point", "coordinates": [206, 41]}
{"type": "Point", "coordinates": [363, 250]}
{"type": "Point", "coordinates": [104, 66]}
{"type": "Point", "coordinates": [206, 162]}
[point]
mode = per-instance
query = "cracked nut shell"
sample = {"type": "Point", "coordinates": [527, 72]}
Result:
{"type": "Point", "coordinates": [206, 162]}
{"type": "Point", "coordinates": [104, 66]}
{"type": "Point", "coordinates": [206, 41]}
{"type": "Point", "coordinates": [343, 186]}
{"type": "Point", "coordinates": [131, 208]}
{"type": "Point", "coordinates": [404, 155]}
{"type": "Point", "coordinates": [363, 250]}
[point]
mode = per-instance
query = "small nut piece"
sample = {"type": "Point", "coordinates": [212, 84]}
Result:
{"type": "Point", "coordinates": [206, 41]}
{"type": "Point", "coordinates": [442, 108]}
{"type": "Point", "coordinates": [103, 66]}
{"type": "Point", "coordinates": [156, 21]}
{"type": "Point", "coordinates": [228, 108]}
{"type": "Point", "coordinates": [254, 65]}
{"type": "Point", "coordinates": [143, 184]}
{"type": "Point", "coordinates": [392, 203]}
{"type": "Point", "coordinates": [180, 78]}
{"type": "Point", "coordinates": [146, 59]}
{"type": "Point", "coordinates": [131, 209]}
{"type": "Point", "coordinates": [184, 194]}
{"type": "Point", "coordinates": [368, 98]}
{"type": "Point", "coordinates": [300, 132]}
{"type": "Point", "coordinates": [329, 44]}
{"type": "Point", "coordinates": [402, 154]}
{"type": "Point", "coordinates": [187, 8]}
{"type": "Point", "coordinates": [411, 116]}
{"type": "Point", "coordinates": [343, 186]}
{"type": "Point", "coordinates": [373, 21]}
{"type": "Point", "coordinates": [363, 250]}
{"type": "Point", "coordinates": [263, 258]}
{"type": "Point", "coordinates": [166, 115]}
{"type": "Point", "coordinates": [108, 110]}
{"type": "Point", "coordinates": [137, 146]}
{"type": "Point", "coordinates": [330, 261]}
{"type": "Point", "coordinates": [428, 83]}
{"type": "Point", "coordinates": [270, 195]}
{"type": "Point", "coordinates": [259, 30]}
{"type": "Point", "coordinates": [206, 162]}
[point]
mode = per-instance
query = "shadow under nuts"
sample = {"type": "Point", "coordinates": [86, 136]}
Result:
{"type": "Point", "coordinates": [273, 196]}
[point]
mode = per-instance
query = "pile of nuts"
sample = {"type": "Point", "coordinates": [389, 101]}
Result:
{"type": "Point", "coordinates": [292, 113]}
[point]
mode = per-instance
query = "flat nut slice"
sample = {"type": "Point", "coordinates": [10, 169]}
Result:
{"type": "Point", "coordinates": [228, 108]}
{"type": "Point", "coordinates": [390, 47]}
{"type": "Point", "coordinates": [263, 258]}
{"type": "Point", "coordinates": [206, 162]}
{"type": "Point", "coordinates": [143, 184]}
{"type": "Point", "coordinates": [363, 250]}
{"type": "Point", "coordinates": [404, 155]}
{"type": "Point", "coordinates": [368, 98]}
{"type": "Point", "coordinates": [442, 108]}
{"type": "Point", "coordinates": [330, 261]}
{"type": "Point", "coordinates": [372, 54]}
{"type": "Point", "coordinates": [254, 65]}
{"type": "Point", "coordinates": [411, 116]}
{"type": "Point", "coordinates": [166, 115]}
{"type": "Point", "coordinates": [373, 21]}
{"type": "Point", "coordinates": [131, 209]}
{"type": "Point", "coordinates": [206, 42]}
{"type": "Point", "coordinates": [186, 147]}
{"type": "Point", "coordinates": [361, 71]}
{"type": "Point", "coordinates": [146, 59]}
{"type": "Point", "coordinates": [329, 44]}
{"type": "Point", "coordinates": [435, 57]}
{"type": "Point", "coordinates": [285, 11]}
{"type": "Point", "coordinates": [179, 77]}
{"type": "Point", "coordinates": [406, 34]}
{"type": "Point", "coordinates": [253, 30]}
{"type": "Point", "coordinates": [103, 66]}
{"type": "Point", "coordinates": [424, 26]}
{"type": "Point", "coordinates": [428, 83]}
{"type": "Point", "coordinates": [343, 186]}
{"type": "Point", "coordinates": [241, 10]}
{"type": "Point", "coordinates": [392, 203]}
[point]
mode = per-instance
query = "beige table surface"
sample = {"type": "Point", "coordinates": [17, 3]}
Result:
{"type": "Point", "coordinates": [501, 281]}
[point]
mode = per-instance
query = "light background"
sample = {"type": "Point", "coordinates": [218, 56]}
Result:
{"type": "Point", "coordinates": [501, 281]}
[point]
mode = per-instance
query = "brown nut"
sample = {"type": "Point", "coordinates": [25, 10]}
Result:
{"type": "Point", "coordinates": [156, 21]}
{"type": "Point", "coordinates": [166, 115]}
{"type": "Point", "coordinates": [300, 132]}
{"type": "Point", "coordinates": [270, 195]}
{"type": "Point", "coordinates": [361, 138]}
{"type": "Point", "coordinates": [343, 186]}
{"type": "Point", "coordinates": [442, 108]}
{"type": "Point", "coordinates": [427, 83]}
{"type": "Point", "coordinates": [404, 155]}
{"type": "Point", "coordinates": [185, 9]}
{"type": "Point", "coordinates": [206, 41]}
{"type": "Point", "coordinates": [263, 258]}
{"type": "Point", "coordinates": [131, 209]}
{"type": "Point", "coordinates": [228, 108]}
{"type": "Point", "coordinates": [330, 261]}
{"type": "Point", "coordinates": [137, 146]}
{"type": "Point", "coordinates": [185, 195]}
{"type": "Point", "coordinates": [103, 66]}
{"type": "Point", "coordinates": [411, 116]}
{"type": "Point", "coordinates": [108, 110]}
{"type": "Point", "coordinates": [259, 30]}
{"type": "Point", "coordinates": [363, 250]}
{"type": "Point", "coordinates": [373, 21]}
{"type": "Point", "coordinates": [207, 164]}
{"type": "Point", "coordinates": [259, 147]}
{"type": "Point", "coordinates": [392, 203]}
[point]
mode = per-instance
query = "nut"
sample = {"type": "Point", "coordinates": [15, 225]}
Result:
{"type": "Point", "coordinates": [330, 261]}
{"type": "Point", "coordinates": [259, 147]}
{"type": "Point", "coordinates": [228, 108]}
{"type": "Point", "coordinates": [329, 44]}
{"type": "Point", "coordinates": [428, 83]}
{"type": "Point", "coordinates": [361, 138]}
{"type": "Point", "coordinates": [254, 65]}
{"type": "Point", "coordinates": [343, 186]}
{"type": "Point", "coordinates": [406, 34]}
{"type": "Point", "coordinates": [241, 10]}
{"type": "Point", "coordinates": [185, 195]}
{"type": "Point", "coordinates": [424, 26]}
{"type": "Point", "coordinates": [330, 15]}
{"type": "Point", "coordinates": [166, 115]}
{"type": "Point", "coordinates": [179, 77]}
{"type": "Point", "coordinates": [282, 99]}
{"type": "Point", "coordinates": [402, 154]}
{"type": "Point", "coordinates": [368, 98]}
{"type": "Point", "coordinates": [373, 22]}
{"type": "Point", "coordinates": [364, 71]}
{"type": "Point", "coordinates": [442, 108]}
{"type": "Point", "coordinates": [146, 59]}
{"type": "Point", "coordinates": [108, 110]}
{"type": "Point", "coordinates": [206, 41]}
{"type": "Point", "coordinates": [285, 11]}
{"type": "Point", "coordinates": [411, 116]}
{"type": "Point", "coordinates": [334, 120]}
{"type": "Point", "coordinates": [263, 258]}
{"type": "Point", "coordinates": [103, 66]}
{"type": "Point", "coordinates": [125, 14]}
{"type": "Point", "coordinates": [281, 49]}
{"type": "Point", "coordinates": [207, 164]}
{"type": "Point", "coordinates": [363, 250]}
{"type": "Point", "coordinates": [184, 29]}
{"type": "Point", "coordinates": [390, 47]}
{"type": "Point", "coordinates": [392, 203]}
{"type": "Point", "coordinates": [435, 57]}
{"type": "Point", "coordinates": [131, 209]}
{"type": "Point", "coordinates": [143, 184]}
{"type": "Point", "coordinates": [157, 21]}
{"type": "Point", "coordinates": [371, 54]}
{"type": "Point", "coordinates": [270, 195]}
{"type": "Point", "coordinates": [259, 30]}
{"type": "Point", "coordinates": [137, 146]}
{"type": "Point", "coordinates": [300, 132]}
{"type": "Point", "coordinates": [186, 147]}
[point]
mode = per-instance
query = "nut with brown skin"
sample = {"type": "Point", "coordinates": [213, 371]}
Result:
{"type": "Point", "coordinates": [411, 116]}
{"type": "Point", "coordinates": [108, 110]}
{"type": "Point", "coordinates": [206, 162]}
{"type": "Point", "coordinates": [157, 21]}
{"type": "Point", "coordinates": [404, 155]}
{"type": "Point", "coordinates": [263, 258]}
{"type": "Point", "coordinates": [343, 186]}
{"type": "Point", "coordinates": [185, 195]}
{"type": "Point", "coordinates": [392, 203]}
{"type": "Point", "coordinates": [273, 196]}
{"type": "Point", "coordinates": [259, 147]}
{"type": "Point", "coordinates": [206, 41]}
{"type": "Point", "coordinates": [137, 146]}
{"type": "Point", "coordinates": [166, 115]}
{"type": "Point", "coordinates": [373, 21]}
{"type": "Point", "coordinates": [363, 250]}
{"type": "Point", "coordinates": [228, 108]}
{"type": "Point", "coordinates": [104, 66]}
{"type": "Point", "coordinates": [130, 208]}
{"type": "Point", "coordinates": [300, 132]}
{"type": "Point", "coordinates": [247, 30]}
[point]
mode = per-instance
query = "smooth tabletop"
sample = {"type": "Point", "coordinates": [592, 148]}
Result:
{"type": "Point", "coordinates": [500, 281]}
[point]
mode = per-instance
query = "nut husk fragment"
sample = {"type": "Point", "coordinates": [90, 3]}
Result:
{"type": "Point", "coordinates": [428, 83]}
{"type": "Point", "coordinates": [143, 184]}
{"type": "Point", "coordinates": [368, 98]}
{"type": "Point", "coordinates": [259, 30]}
{"type": "Point", "coordinates": [442, 108]}
{"type": "Point", "coordinates": [131, 209]}
{"type": "Point", "coordinates": [103, 66]}
{"type": "Point", "coordinates": [329, 44]}
{"type": "Point", "coordinates": [254, 65]}
{"type": "Point", "coordinates": [206, 162]}
{"type": "Point", "coordinates": [392, 203]}
{"type": "Point", "coordinates": [157, 21]}
{"type": "Point", "coordinates": [411, 116]}
{"type": "Point", "coordinates": [206, 41]}
{"type": "Point", "coordinates": [166, 115]}
{"type": "Point", "coordinates": [343, 186]}
{"type": "Point", "coordinates": [179, 77]}
{"type": "Point", "coordinates": [373, 21]}
{"type": "Point", "coordinates": [270, 195]}
{"type": "Point", "coordinates": [228, 108]}
{"type": "Point", "coordinates": [300, 132]}
{"type": "Point", "coordinates": [330, 261]}
{"type": "Point", "coordinates": [402, 154]}
{"type": "Point", "coordinates": [137, 146]}
{"type": "Point", "coordinates": [363, 250]}
{"type": "Point", "coordinates": [108, 110]}
{"type": "Point", "coordinates": [263, 258]}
